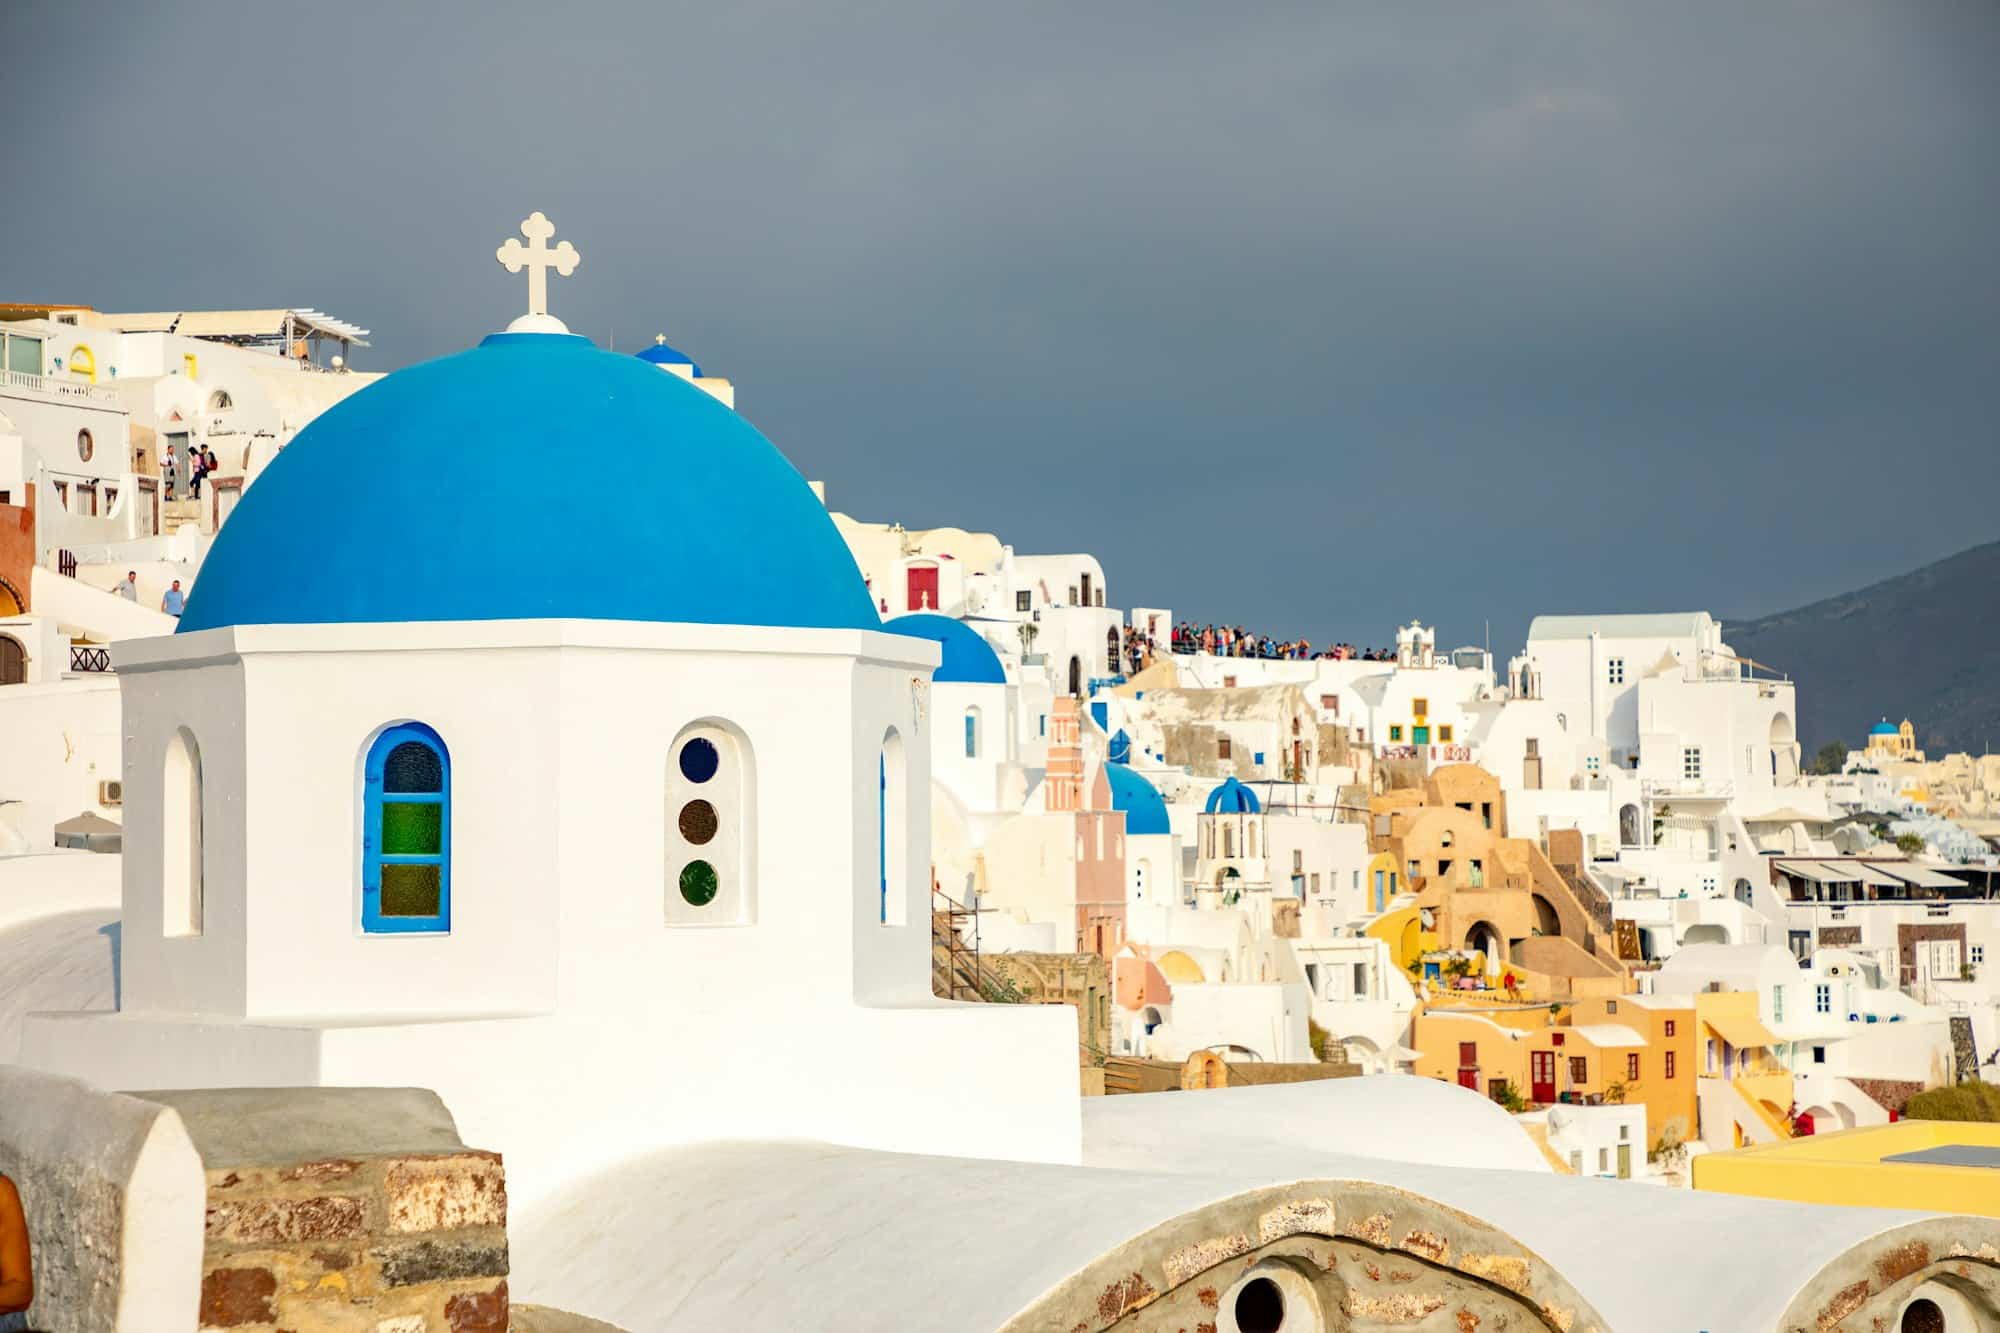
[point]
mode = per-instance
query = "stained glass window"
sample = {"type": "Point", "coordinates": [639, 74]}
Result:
{"type": "Point", "coordinates": [406, 842]}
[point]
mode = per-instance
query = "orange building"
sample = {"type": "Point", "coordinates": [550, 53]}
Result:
{"type": "Point", "coordinates": [1489, 893]}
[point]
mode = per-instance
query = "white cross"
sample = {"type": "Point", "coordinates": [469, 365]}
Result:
{"type": "Point", "coordinates": [538, 259]}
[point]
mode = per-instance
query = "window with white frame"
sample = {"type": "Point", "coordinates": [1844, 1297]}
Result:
{"type": "Point", "coordinates": [1691, 763]}
{"type": "Point", "coordinates": [1975, 954]}
{"type": "Point", "coordinates": [1590, 763]}
{"type": "Point", "coordinates": [1614, 670]}
{"type": "Point", "coordinates": [1822, 999]}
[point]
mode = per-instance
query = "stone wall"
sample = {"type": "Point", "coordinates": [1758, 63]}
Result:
{"type": "Point", "coordinates": [112, 1190]}
{"type": "Point", "coordinates": [1891, 1094]}
{"type": "Point", "coordinates": [345, 1209]}
{"type": "Point", "coordinates": [1839, 937]}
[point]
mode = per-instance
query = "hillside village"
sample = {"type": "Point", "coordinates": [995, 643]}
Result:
{"type": "Point", "coordinates": [274, 815]}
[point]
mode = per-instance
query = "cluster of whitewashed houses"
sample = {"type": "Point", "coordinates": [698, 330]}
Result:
{"type": "Point", "coordinates": [1201, 821]}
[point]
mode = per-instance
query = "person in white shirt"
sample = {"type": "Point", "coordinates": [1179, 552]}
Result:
{"type": "Point", "coordinates": [129, 589]}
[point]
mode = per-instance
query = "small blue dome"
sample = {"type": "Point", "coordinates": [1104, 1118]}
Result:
{"type": "Point", "coordinates": [419, 499]}
{"type": "Point", "coordinates": [1145, 812]}
{"type": "Point", "coordinates": [1232, 798]}
{"type": "Point", "coordinates": [968, 658]}
{"type": "Point", "coordinates": [662, 355]}
{"type": "Point", "coordinates": [1885, 728]}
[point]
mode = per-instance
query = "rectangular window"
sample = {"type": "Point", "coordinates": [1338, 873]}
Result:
{"type": "Point", "coordinates": [1222, 747]}
{"type": "Point", "coordinates": [1361, 981]}
{"type": "Point", "coordinates": [1476, 873]}
{"type": "Point", "coordinates": [1330, 702]}
{"type": "Point", "coordinates": [1444, 734]}
{"type": "Point", "coordinates": [1579, 1069]}
{"type": "Point", "coordinates": [1420, 707]}
{"type": "Point", "coordinates": [1822, 999]}
{"type": "Point", "coordinates": [1611, 1006]}
{"type": "Point", "coordinates": [1819, 1055]}
{"type": "Point", "coordinates": [1315, 886]}
{"type": "Point", "coordinates": [1670, 1027]}
{"type": "Point", "coordinates": [1468, 1053]}
{"type": "Point", "coordinates": [972, 735]}
{"type": "Point", "coordinates": [1691, 763]}
{"type": "Point", "coordinates": [1590, 763]}
{"type": "Point", "coordinates": [1485, 809]}
{"type": "Point", "coordinates": [1632, 1065]}
{"type": "Point", "coordinates": [1604, 1159]}
{"type": "Point", "coordinates": [1298, 860]}
{"type": "Point", "coordinates": [1072, 594]}
{"type": "Point", "coordinates": [1416, 870]}
{"type": "Point", "coordinates": [1395, 733]}
{"type": "Point", "coordinates": [1976, 953]}
{"type": "Point", "coordinates": [1614, 670]}
{"type": "Point", "coordinates": [1670, 1064]}
{"type": "Point", "coordinates": [1777, 1004]}
{"type": "Point", "coordinates": [1024, 600]}
{"type": "Point", "coordinates": [1043, 728]}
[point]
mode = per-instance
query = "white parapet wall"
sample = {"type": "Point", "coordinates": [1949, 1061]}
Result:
{"type": "Point", "coordinates": [115, 1200]}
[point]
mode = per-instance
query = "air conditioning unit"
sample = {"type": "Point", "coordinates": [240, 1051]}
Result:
{"type": "Point", "coordinates": [110, 791]}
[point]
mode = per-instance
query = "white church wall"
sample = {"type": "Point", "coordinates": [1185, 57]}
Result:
{"type": "Point", "coordinates": [59, 740]}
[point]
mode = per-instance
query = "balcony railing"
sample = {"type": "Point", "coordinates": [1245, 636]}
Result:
{"type": "Point", "coordinates": [51, 384]}
{"type": "Point", "coordinates": [83, 657]}
{"type": "Point", "coordinates": [1688, 789]}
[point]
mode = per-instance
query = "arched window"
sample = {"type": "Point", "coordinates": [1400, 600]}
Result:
{"type": "Point", "coordinates": [1111, 652]}
{"type": "Point", "coordinates": [892, 831]}
{"type": "Point", "coordinates": [13, 661]}
{"type": "Point", "coordinates": [972, 733]}
{"type": "Point", "coordinates": [709, 843]}
{"type": "Point", "coordinates": [85, 445]}
{"type": "Point", "coordinates": [1250, 838]}
{"type": "Point", "coordinates": [1228, 841]}
{"type": "Point", "coordinates": [180, 837]}
{"type": "Point", "coordinates": [406, 842]}
{"type": "Point", "coordinates": [83, 364]}
{"type": "Point", "coordinates": [220, 401]}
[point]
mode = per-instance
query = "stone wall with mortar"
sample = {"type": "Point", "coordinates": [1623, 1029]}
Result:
{"type": "Point", "coordinates": [112, 1190]}
{"type": "Point", "coordinates": [351, 1210]}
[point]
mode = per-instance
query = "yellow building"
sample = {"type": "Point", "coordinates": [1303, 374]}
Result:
{"type": "Point", "coordinates": [1945, 1166]}
{"type": "Point", "coordinates": [1889, 741]}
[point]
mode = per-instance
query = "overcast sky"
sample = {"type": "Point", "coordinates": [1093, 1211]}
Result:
{"type": "Point", "coordinates": [1311, 317]}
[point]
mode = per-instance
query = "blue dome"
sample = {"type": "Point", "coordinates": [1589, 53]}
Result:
{"type": "Point", "coordinates": [1145, 812]}
{"type": "Point", "coordinates": [419, 499]}
{"type": "Point", "coordinates": [968, 658]}
{"type": "Point", "coordinates": [1885, 728]}
{"type": "Point", "coordinates": [662, 355]}
{"type": "Point", "coordinates": [1232, 798]}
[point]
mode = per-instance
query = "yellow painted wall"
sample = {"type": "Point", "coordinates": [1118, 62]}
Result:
{"type": "Point", "coordinates": [1666, 1099]}
{"type": "Point", "coordinates": [1847, 1168]}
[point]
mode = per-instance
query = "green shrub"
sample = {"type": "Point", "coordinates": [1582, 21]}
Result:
{"type": "Point", "coordinates": [1967, 1101]}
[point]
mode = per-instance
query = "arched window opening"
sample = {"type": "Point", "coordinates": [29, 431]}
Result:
{"type": "Point", "coordinates": [1250, 839]}
{"type": "Point", "coordinates": [13, 661]}
{"type": "Point", "coordinates": [892, 831]}
{"type": "Point", "coordinates": [972, 733]}
{"type": "Point", "coordinates": [406, 845]}
{"type": "Point", "coordinates": [83, 364]}
{"type": "Point", "coordinates": [1111, 652]}
{"type": "Point", "coordinates": [86, 445]}
{"type": "Point", "coordinates": [220, 401]}
{"type": "Point", "coordinates": [1228, 841]}
{"type": "Point", "coordinates": [708, 841]}
{"type": "Point", "coordinates": [180, 837]}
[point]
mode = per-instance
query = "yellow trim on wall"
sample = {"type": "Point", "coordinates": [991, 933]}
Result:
{"type": "Point", "coordinates": [83, 363]}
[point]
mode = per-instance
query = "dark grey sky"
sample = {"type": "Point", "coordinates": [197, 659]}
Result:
{"type": "Point", "coordinates": [1308, 317]}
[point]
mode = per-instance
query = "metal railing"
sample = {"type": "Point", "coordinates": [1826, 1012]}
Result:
{"type": "Point", "coordinates": [21, 379]}
{"type": "Point", "coordinates": [83, 657]}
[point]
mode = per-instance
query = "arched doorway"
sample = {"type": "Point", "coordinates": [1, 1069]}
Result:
{"type": "Point", "coordinates": [1784, 749]}
{"type": "Point", "coordinates": [1076, 676]}
{"type": "Point", "coordinates": [1706, 933]}
{"type": "Point", "coordinates": [1485, 937]}
{"type": "Point", "coordinates": [11, 603]}
{"type": "Point", "coordinates": [1546, 918]}
{"type": "Point", "coordinates": [13, 661]}
{"type": "Point", "coordinates": [1628, 826]}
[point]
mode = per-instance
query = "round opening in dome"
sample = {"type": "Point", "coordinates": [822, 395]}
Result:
{"type": "Point", "coordinates": [699, 760]}
{"type": "Point", "coordinates": [1260, 1307]}
{"type": "Point", "coordinates": [698, 822]}
{"type": "Point", "coordinates": [698, 883]}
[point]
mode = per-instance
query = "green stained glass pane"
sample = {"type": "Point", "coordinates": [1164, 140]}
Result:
{"type": "Point", "coordinates": [412, 830]}
{"type": "Point", "coordinates": [698, 883]}
{"type": "Point", "coordinates": [411, 890]}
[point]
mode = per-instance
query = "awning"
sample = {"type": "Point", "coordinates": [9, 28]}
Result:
{"type": "Point", "coordinates": [1871, 876]}
{"type": "Point", "coordinates": [1922, 877]}
{"type": "Point", "coordinates": [1816, 872]}
{"type": "Point", "coordinates": [1742, 1033]}
{"type": "Point", "coordinates": [233, 323]}
{"type": "Point", "coordinates": [152, 321]}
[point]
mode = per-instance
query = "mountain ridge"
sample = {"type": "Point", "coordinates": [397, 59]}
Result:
{"type": "Point", "coordinates": [1923, 645]}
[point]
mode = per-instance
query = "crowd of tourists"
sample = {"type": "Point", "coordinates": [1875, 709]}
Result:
{"type": "Point", "coordinates": [1235, 641]}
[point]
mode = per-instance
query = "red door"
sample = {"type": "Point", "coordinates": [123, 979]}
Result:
{"type": "Point", "coordinates": [1542, 1076]}
{"type": "Point", "coordinates": [1469, 1078]}
{"type": "Point", "coordinates": [923, 590]}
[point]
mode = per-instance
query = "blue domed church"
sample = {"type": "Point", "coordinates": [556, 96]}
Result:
{"type": "Point", "coordinates": [602, 810]}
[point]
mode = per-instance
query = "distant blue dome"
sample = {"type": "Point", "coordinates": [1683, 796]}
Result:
{"type": "Point", "coordinates": [420, 499]}
{"type": "Point", "coordinates": [968, 658]}
{"type": "Point", "coordinates": [1121, 748]}
{"type": "Point", "coordinates": [662, 355]}
{"type": "Point", "coordinates": [1145, 812]}
{"type": "Point", "coordinates": [1885, 728]}
{"type": "Point", "coordinates": [1232, 798]}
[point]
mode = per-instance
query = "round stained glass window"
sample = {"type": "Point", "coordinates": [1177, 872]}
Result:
{"type": "Point", "coordinates": [699, 760]}
{"type": "Point", "coordinates": [698, 822]}
{"type": "Point", "coordinates": [698, 883]}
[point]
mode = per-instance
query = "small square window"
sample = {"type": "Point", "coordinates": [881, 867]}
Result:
{"type": "Point", "coordinates": [1024, 600]}
{"type": "Point", "coordinates": [1444, 733]}
{"type": "Point", "coordinates": [1420, 706]}
{"type": "Point", "coordinates": [1614, 670]}
{"type": "Point", "coordinates": [1395, 733]}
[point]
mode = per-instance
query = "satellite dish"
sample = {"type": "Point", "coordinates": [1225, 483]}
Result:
{"type": "Point", "coordinates": [1560, 1119]}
